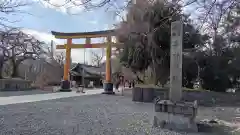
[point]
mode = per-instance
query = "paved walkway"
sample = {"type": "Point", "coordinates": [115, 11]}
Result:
{"type": "Point", "coordinates": [42, 97]}
{"type": "Point", "coordinates": [22, 93]}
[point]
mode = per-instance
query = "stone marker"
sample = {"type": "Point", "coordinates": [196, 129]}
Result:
{"type": "Point", "coordinates": [175, 93]}
{"type": "Point", "coordinates": [174, 113]}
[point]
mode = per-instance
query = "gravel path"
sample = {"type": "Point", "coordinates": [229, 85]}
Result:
{"type": "Point", "coordinates": [85, 115]}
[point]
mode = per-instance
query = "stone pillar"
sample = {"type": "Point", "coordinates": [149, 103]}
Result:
{"type": "Point", "coordinates": [175, 93]}
{"type": "Point", "coordinates": [176, 114]}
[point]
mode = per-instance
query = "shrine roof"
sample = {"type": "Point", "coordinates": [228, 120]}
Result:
{"type": "Point", "coordinates": [88, 69]}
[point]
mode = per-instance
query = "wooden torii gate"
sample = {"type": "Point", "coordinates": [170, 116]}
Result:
{"type": "Point", "coordinates": [108, 85]}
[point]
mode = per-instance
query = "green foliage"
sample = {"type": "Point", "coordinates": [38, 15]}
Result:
{"type": "Point", "coordinates": [134, 57]}
{"type": "Point", "coordinates": [147, 40]}
{"type": "Point", "coordinates": [189, 76]}
{"type": "Point", "coordinates": [214, 73]}
{"type": "Point", "coordinates": [221, 72]}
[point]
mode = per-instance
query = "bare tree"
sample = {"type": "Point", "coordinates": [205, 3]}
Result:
{"type": "Point", "coordinates": [97, 58]}
{"type": "Point", "coordinates": [11, 8]}
{"type": "Point", "coordinates": [57, 57]}
{"type": "Point", "coordinates": [60, 58]}
{"type": "Point", "coordinates": [8, 8]}
{"type": "Point", "coordinates": [88, 4]}
{"type": "Point", "coordinates": [3, 51]}
{"type": "Point", "coordinates": [213, 15]}
{"type": "Point", "coordinates": [19, 47]}
{"type": "Point", "coordinates": [7, 69]}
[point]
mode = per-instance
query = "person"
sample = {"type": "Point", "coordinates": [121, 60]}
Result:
{"type": "Point", "coordinates": [133, 83]}
{"type": "Point", "coordinates": [80, 88]}
{"type": "Point", "coordinates": [117, 85]}
{"type": "Point", "coordinates": [101, 83]}
{"type": "Point", "coordinates": [129, 84]}
{"type": "Point", "coordinates": [122, 81]}
{"type": "Point", "coordinates": [74, 84]}
{"type": "Point", "coordinates": [91, 84]}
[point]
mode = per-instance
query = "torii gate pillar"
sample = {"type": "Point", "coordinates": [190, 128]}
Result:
{"type": "Point", "coordinates": [108, 85]}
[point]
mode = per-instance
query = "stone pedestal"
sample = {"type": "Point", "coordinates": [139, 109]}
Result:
{"type": "Point", "coordinates": [108, 88]}
{"type": "Point", "coordinates": [179, 116]}
{"type": "Point", "coordinates": [65, 86]}
{"type": "Point", "coordinates": [137, 94]}
{"type": "Point", "coordinates": [148, 94]}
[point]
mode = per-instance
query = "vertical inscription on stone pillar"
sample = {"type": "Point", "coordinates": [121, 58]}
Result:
{"type": "Point", "coordinates": [175, 93]}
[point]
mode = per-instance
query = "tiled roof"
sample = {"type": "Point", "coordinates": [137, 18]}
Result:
{"type": "Point", "coordinates": [88, 69]}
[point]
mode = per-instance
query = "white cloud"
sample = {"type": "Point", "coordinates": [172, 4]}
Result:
{"type": "Point", "coordinates": [42, 36]}
{"type": "Point", "coordinates": [76, 54]}
{"type": "Point", "coordinates": [65, 6]}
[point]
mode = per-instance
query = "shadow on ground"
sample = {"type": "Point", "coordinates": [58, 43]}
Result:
{"type": "Point", "coordinates": [218, 127]}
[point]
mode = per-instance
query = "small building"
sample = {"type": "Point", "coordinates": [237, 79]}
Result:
{"type": "Point", "coordinates": [89, 73]}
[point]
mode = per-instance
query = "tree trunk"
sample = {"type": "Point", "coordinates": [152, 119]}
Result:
{"type": "Point", "coordinates": [1, 66]}
{"type": "Point", "coordinates": [1, 74]}
{"type": "Point", "coordinates": [15, 65]}
{"type": "Point", "coordinates": [15, 70]}
{"type": "Point", "coordinates": [154, 65]}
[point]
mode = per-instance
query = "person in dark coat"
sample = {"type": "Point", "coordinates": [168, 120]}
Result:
{"type": "Point", "coordinates": [129, 84]}
{"type": "Point", "coordinates": [101, 83]}
{"type": "Point", "coordinates": [133, 83]}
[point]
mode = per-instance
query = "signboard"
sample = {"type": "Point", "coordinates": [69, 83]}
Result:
{"type": "Point", "coordinates": [175, 93]}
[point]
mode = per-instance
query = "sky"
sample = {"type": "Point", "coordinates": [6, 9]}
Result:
{"type": "Point", "coordinates": [40, 18]}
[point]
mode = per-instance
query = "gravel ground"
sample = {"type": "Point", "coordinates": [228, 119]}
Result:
{"type": "Point", "coordinates": [19, 93]}
{"type": "Point", "coordinates": [85, 115]}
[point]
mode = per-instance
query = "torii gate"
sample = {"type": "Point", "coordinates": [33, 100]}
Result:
{"type": "Point", "coordinates": [108, 86]}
